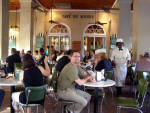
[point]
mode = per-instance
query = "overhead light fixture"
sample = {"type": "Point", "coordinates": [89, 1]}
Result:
{"type": "Point", "coordinates": [13, 28]}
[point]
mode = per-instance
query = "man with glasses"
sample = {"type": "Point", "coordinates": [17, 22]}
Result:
{"type": "Point", "coordinates": [70, 75]}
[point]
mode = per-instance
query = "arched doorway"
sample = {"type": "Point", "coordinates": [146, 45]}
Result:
{"type": "Point", "coordinates": [94, 37]}
{"type": "Point", "coordinates": [59, 36]}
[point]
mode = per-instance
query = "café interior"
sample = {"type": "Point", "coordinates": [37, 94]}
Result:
{"type": "Point", "coordinates": [82, 25]}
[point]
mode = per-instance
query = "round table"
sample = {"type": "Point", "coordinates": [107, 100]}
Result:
{"type": "Point", "coordinates": [12, 83]}
{"type": "Point", "coordinates": [107, 83]}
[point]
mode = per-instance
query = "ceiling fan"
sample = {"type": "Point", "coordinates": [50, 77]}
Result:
{"type": "Point", "coordinates": [51, 10]}
{"type": "Point", "coordinates": [96, 21]}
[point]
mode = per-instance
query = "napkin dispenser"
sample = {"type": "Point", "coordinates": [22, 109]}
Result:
{"type": "Point", "coordinates": [100, 75]}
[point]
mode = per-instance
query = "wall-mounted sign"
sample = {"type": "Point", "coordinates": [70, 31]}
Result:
{"type": "Point", "coordinates": [12, 43]}
{"type": "Point", "coordinates": [113, 41]}
{"type": "Point", "coordinates": [78, 16]}
{"type": "Point", "coordinates": [39, 41]}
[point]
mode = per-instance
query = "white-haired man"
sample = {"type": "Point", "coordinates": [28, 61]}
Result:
{"type": "Point", "coordinates": [120, 57]}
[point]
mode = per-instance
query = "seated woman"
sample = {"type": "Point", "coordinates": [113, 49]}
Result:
{"type": "Point", "coordinates": [102, 62]}
{"type": "Point", "coordinates": [87, 57]}
{"type": "Point", "coordinates": [33, 76]}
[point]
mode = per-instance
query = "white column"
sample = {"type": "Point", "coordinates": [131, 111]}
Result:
{"type": "Point", "coordinates": [141, 26]}
{"type": "Point", "coordinates": [125, 22]}
{"type": "Point", "coordinates": [26, 27]}
{"type": "Point", "coordinates": [4, 28]}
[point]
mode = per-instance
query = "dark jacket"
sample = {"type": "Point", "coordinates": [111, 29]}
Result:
{"type": "Point", "coordinates": [104, 64]}
{"type": "Point", "coordinates": [61, 63]}
{"type": "Point", "coordinates": [11, 60]}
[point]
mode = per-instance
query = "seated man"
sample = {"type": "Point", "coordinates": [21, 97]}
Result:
{"type": "Point", "coordinates": [144, 63]}
{"type": "Point", "coordinates": [14, 58]}
{"type": "Point", "coordinates": [70, 75]}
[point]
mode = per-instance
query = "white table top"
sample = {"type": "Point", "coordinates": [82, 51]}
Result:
{"type": "Point", "coordinates": [106, 83]}
{"type": "Point", "coordinates": [9, 82]}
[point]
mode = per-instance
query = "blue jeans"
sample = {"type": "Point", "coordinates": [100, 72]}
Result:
{"type": "Point", "coordinates": [2, 93]}
{"type": "Point", "coordinates": [79, 87]}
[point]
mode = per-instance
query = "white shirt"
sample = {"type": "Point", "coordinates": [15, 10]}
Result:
{"type": "Point", "coordinates": [120, 56]}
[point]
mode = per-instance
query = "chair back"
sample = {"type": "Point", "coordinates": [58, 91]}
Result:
{"type": "Point", "coordinates": [18, 66]}
{"type": "Point", "coordinates": [133, 71]}
{"type": "Point", "coordinates": [36, 93]}
{"type": "Point", "coordinates": [142, 75]}
{"type": "Point", "coordinates": [109, 74]}
{"type": "Point", "coordinates": [54, 80]}
{"type": "Point", "coordinates": [142, 90]}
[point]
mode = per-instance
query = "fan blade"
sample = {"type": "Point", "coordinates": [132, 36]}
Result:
{"type": "Point", "coordinates": [98, 22]}
{"type": "Point", "coordinates": [51, 21]}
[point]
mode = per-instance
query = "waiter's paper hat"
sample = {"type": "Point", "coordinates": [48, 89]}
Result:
{"type": "Point", "coordinates": [100, 51]}
{"type": "Point", "coordinates": [119, 40]}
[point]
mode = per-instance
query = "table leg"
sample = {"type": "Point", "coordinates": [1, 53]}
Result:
{"type": "Point", "coordinates": [96, 101]}
{"type": "Point", "coordinates": [12, 90]}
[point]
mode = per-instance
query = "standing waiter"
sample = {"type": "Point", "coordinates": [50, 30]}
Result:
{"type": "Point", "coordinates": [120, 57]}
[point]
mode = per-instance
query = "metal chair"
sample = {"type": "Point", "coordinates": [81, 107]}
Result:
{"type": "Point", "coordinates": [134, 103]}
{"type": "Point", "coordinates": [53, 83]}
{"type": "Point", "coordinates": [34, 94]}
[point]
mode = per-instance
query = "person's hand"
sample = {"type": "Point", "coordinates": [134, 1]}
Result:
{"type": "Point", "coordinates": [113, 64]}
{"type": "Point", "coordinates": [128, 62]}
{"type": "Point", "coordinates": [92, 80]}
{"type": "Point", "coordinates": [1, 70]}
{"type": "Point", "coordinates": [45, 59]}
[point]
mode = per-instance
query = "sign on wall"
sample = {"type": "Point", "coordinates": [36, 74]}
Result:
{"type": "Point", "coordinates": [113, 41]}
{"type": "Point", "coordinates": [39, 41]}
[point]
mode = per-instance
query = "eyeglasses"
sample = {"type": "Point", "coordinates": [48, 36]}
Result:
{"type": "Point", "coordinates": [76, 56]}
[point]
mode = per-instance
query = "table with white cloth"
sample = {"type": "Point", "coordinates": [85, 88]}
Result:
{"type": "Point", "coordinates": [106, 83]}
{"type": "Point", "coordinates": [11, 82]}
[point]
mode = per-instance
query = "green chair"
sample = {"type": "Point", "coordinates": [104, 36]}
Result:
{"type": "Point", "coordinates": [34, 94]}
{"type": "Point", "coordinates": [137, 76]}
{"type": "Point", "coordinates": [134, 103]}
{"type": "Point", "coordinates": [18, 66]}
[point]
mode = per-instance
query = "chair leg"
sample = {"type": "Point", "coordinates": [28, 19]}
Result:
{"type": "Point", "coordinates": [37, 109]}
{"type": "Point", "coordinates": [44, 109]}
{"type": "Point", "coordinates": [22, 109]}
{"type": "Point", "coordinates": [118, 109]}
{"type": "Point", "coordinates": [101, 105]}
{"type": "Point", "coordinates": [73, 107]}
{"type": "Point", "coordinates": [112, 94]}
{"type": "Point", "coordinates": [62, 108]}
{"type": "Point", "coordinates": [140, 110]}
{"type": "Point", "coordinates": [89, 107]}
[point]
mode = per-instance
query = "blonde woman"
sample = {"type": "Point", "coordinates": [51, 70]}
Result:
{"type": "Point", "coordinates": [102, 62]}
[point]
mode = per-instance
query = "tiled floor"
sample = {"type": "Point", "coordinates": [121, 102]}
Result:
{"type": "Point", "coordinates": [52, 106]}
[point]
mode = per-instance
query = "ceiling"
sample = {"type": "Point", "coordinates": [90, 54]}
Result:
{"type": "Point", "coordinates": [66, 4]}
